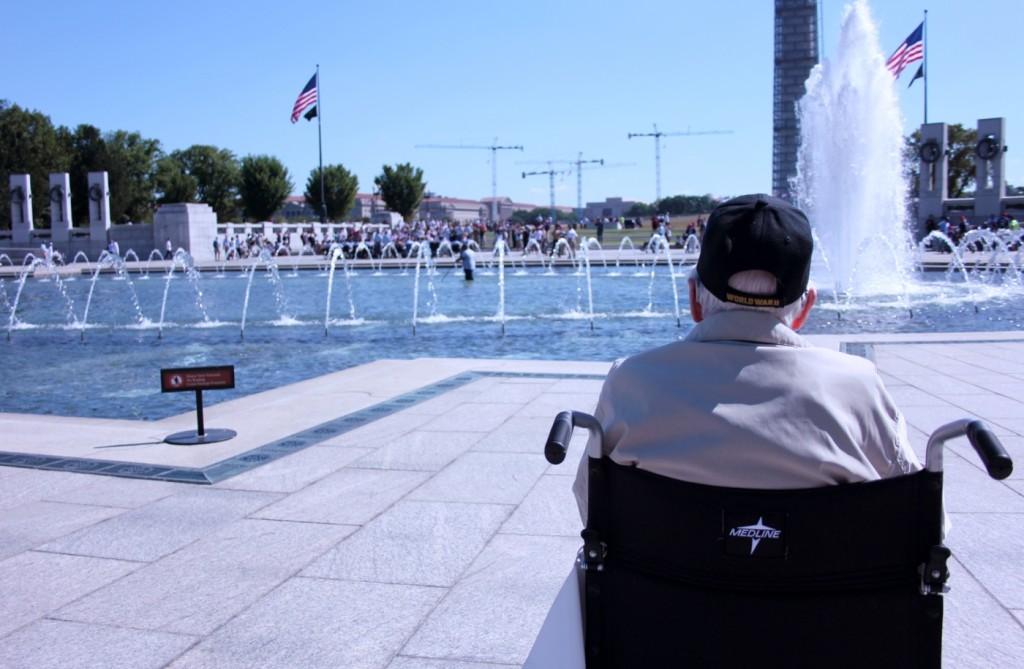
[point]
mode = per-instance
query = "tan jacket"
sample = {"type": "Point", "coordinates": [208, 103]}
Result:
{"type": "Point", "coordinates": [744, 402]}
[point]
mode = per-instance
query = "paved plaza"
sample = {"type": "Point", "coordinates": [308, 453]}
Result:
{"type": "Point", "coordinates": [401, 515]}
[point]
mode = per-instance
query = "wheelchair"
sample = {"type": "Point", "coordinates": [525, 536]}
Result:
{"type": "Point", "coordinates": [679, 574]}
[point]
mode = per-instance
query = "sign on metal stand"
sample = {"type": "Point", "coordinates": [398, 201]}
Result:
{"type": "Point", "coordinates": [198, 379]}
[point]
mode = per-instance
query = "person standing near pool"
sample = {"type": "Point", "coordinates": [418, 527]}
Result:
{"type": "Point", "coordinates": [468, 259]}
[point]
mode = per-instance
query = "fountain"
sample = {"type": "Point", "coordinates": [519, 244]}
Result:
{"type": "Point", "coordinates": [850, 178]}
{"type": "Point", "coordinates": [852, 183]}
{"type": "Point", "coordinates": [336, 253]}
{"type": "Point", "coordinates": [183, 259]}
{"type": "Point", "coordinates": [3, 295]}
{"type": "Point", "coordinates": [423, 256]}
{"type": "Point", "coordinates": [692, 244]}
{"type": "Point", "coordinates": [128, 255]}
{"type": "Point", "coordinates": [535, 245]}
{"type": "Point", "coordinates": [108, 259]}
{"type": "Point", "coordinates": [267, 259]}
{"type": "Point", "coordinates": [562, 245]}
{"type": "Point", "coordinates": [585, 252]}
{"type": "Point", "coordinates": [389, 250]}
{"type": "Point", "coordinates": [592, 241]}
{"type": "Point", "coordinates": [627, 241]}
{"type": "Point", "coordinates": [445, 245]}
{"type": "Point", "coordinates": [499, 247]}
{"type": "Point", "coordinates": [659, 243]}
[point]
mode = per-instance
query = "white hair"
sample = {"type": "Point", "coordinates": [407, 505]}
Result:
{"type": "Point", "coordinates": [755, 282]}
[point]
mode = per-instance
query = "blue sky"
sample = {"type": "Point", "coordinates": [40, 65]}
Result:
{"type": "Point", "coordinates": [557, 77]}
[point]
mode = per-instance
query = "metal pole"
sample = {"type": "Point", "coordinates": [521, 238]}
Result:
{"type": "Point", "coordinates": [199, 413]}
{"type": "Point", "coordinates": [657, 168]}
{"type": "Point", "coordinates": [551, 194]}
{"type": "Point", "coordinates": [494, 185]}
{"type": "Point", "coordinates": [924, 65]}
{"type": "Point", "coordinates": [320, 143]}
{"type": "Point", "coordinates": [579, 187]}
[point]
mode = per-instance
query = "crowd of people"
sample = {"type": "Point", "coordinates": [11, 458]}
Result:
{"type": "Point", "coordinates": [375, 240]}
{"type": "Point", "coordinates": [959, 226]}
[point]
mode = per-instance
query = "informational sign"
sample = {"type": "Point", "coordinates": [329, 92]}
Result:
{"type": "Point", "coordinates": [197, 378]}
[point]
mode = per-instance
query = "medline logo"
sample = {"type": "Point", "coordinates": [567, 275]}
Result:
{"type": "Point", "coordinates": [755, 533]}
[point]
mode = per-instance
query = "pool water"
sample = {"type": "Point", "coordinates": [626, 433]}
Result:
{"type": "Point", "coordinates": [48, 367]}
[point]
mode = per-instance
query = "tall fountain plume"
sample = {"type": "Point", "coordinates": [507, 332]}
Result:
{"type": "Point", "coordinates": [850, 179]}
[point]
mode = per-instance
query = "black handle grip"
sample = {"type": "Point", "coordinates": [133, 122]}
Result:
{"type": "Point", "coordinates": [558, 439]}
{"type": "Point", "coordinates": [990, 450]}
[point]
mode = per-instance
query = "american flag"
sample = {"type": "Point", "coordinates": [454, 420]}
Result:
{"type": "Point", "coordinates": [911, 51]}
{"type": "Point", "coordinates": [306, 99]}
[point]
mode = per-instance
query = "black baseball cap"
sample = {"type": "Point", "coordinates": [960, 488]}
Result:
{"type": "Point", "coordinates": [756, 232]}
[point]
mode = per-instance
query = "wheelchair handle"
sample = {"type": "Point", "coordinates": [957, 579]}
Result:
{"type": "Point", "coordinates": [557, 444]}
{"type": "Point", "coordinates": [986, 444]}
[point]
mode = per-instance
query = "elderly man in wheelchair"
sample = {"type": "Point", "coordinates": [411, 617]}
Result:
{"type": "Point", "coordinates": [750, 500]}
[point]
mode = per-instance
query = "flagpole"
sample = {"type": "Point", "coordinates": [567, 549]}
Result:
{"type": "Point", "coordinates": [320, 143]}
{"type": "Point", "coordinates": [924, 64]}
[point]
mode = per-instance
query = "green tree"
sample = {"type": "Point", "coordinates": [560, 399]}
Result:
{"type": "Point", "coordinates": [640, 209]}
{"type": "Point", "coordinates": [30, 144]}
{"type": "Point", "coordinates": [217, 176]}
{"type": "Point", "coordinates": [173, 183]}
{"type": "Point", "coordinates": [678, 205]}
{"type": "Point", "coordinates": [264, 185]}
{"type": "Point", "coordinates": [86, 146]}
{"type": "Point", "coordinates": [960, 142]}
{"type": "Point", "coordinates": [402, 188]}
{"type": "Point", "coordinates": [524, 216]}
{"type": "Point", "coordinates": [340, 187]}
{"type": "Point", "coordinates": [130, 162]}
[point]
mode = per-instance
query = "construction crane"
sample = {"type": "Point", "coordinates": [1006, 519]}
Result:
{"type": "Point", "coordinates": [551, 186]}
{"type": "Point", "coordinates": [579, 163]}
{"type": "Point", "coordinates": [579, 167]}
{"type": "Point", "coordinates": [657, 135]}
{"type": "Point", "coordinates": [493, 148]}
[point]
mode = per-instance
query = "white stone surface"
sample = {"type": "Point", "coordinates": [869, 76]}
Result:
{"type": "Point", "coordinates": [35, 584]}
{"type": "Point", "coordinates": [202, 586]}
{"type": "Point", "coordinates": [160, 528]}
{"type": "Point", "coordinates": [55, 644]}
{"type": "Point", "coordinates": [415, 543]}
{"type": "Point", "coordinates": [190, 226]}
{"type": "Point", "coordinates": [60, 210]}
{"type": "Point", "coordinates": [99, 206]}
{"type": "Point", "coordinates": [22, 222]}
{"type": "Point", "coordinates": [503, 598]}
{"type": "Point", "coordinates": [312, 623]}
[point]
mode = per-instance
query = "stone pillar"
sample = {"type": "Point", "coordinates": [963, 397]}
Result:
{"type": "Point", "coordinates": [22, 225]}
{"type": "Point", "coordinates": [933, 181]}
{"type": "Point", "coordinates": [60, 207]}
{"type": "Point", "coordinates": [989, 164]}
{"type": "Point", "coordinates": [190, 226]}
{"type": "Point", "coordinates": [99, 207]}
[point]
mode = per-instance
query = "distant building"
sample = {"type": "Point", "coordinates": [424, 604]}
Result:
{"type": "Point", "coordinates": [506, 207]}
{"type": "Point", "coordinates": [366, 205]}
{"type": "Point", "coordinates": [296, 209]}
{"type": "Point", "coordinates": [612, 207]}
{"type": "Point", "coordinates": [452, 209]}
{"type": "Point", "coordinates": [796, 53]}
{"type": "Point", "coordinates": [371, 207]}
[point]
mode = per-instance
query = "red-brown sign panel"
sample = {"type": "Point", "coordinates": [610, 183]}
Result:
{"type": "Point", "coordinates": [197, 378]}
